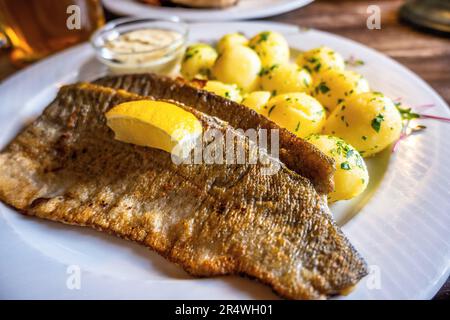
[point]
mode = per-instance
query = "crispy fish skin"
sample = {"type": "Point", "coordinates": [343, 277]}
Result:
{"type": "Point", "coordinates": [298, 155]}
{"type": "Point", "coordinates": [210, 219]}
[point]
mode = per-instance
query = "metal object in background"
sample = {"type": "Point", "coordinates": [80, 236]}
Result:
{"type": "Point", "coordinates": [4, 43]}
{"type": "Point", "coordinates": [429, 14]}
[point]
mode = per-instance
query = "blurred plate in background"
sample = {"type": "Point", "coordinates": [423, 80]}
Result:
{"type": "Point", "coordinates": [245, 9]}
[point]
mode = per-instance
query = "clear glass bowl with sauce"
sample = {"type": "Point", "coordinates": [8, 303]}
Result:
{"type": "Point", "coordinates": [138, 45]}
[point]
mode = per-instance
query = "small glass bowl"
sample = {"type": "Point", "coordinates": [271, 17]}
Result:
{"type": "Point", "coordinates": [163, 60]}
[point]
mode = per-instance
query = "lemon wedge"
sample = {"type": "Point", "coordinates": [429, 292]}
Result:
{"type": "Point", "coordinates": [155, 124]}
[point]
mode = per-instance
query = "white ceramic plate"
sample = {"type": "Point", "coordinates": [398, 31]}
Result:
{"type": "Point", "coordinates": [245, 9]}
{"type": "Point", "coordinates": [401, 225]}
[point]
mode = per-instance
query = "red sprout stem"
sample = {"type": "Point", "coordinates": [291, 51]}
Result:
{"type": "Point", "coordinates": [403, 136]}
{"type": "Point", "coordinates": [424, 106]}
{"type": "Point", "coordinates": [429, 116]}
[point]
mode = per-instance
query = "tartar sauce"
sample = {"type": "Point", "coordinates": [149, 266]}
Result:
{"type": "Point", "coordinates": [146, 50]}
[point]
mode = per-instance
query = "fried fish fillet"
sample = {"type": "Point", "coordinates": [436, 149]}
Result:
{"type": "Point", "coordinates": [212, 220]}
{"type": "Point", "coordinates": [298, 155]}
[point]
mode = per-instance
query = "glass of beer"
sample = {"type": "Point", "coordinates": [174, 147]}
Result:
{"type": "Point", "coordinates": [37, 28]}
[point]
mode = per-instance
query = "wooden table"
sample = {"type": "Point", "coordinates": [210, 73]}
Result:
{"type": "Point", "coordinates": [426, 54]}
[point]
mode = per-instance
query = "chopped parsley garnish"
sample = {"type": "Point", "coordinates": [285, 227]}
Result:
{"type": "Point", "coordinates": [345, 166]}
{"type": "Point", "coordinates": [271, 109]}
{"type": "Point", "coordinates": [364, 138]}
{"type": "Point", "coordinates": [263, 36]}
{"type": "Point", "coordinates": [297, 127]}
{"type": "Point", "coordinates": [205, 72]}
{"type": "Point", "coordinates": [307, 69]}
{"type": "Point", "coordinates": [305, 82]}
{"type": "Point", "coordinates": [359, 162]}
{"type": "Point", "coordinates": [342, 148]}
{"type": "Point", "coordinates": [407, 113]}
{"type": "Point", "coordinates": [317, 67]}
{"type": "Point", "coordinates": [350, 153]}
{"type": "Point", "coordinates": [189, 54]}
{"type": "Point", "coordinates": [265, 71]}
{"type": "Point", "coordinates": [323, 87]}
{"type": "Point", "coordinates": [313, 136]}
{"type": "Point", "coordinates": [376, 122]}
{"type": "Point", "coordinates": [354, 63]}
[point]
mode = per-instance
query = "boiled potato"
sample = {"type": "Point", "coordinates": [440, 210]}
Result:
{"type": "Point", "coordinates": [351, 176]}
{"type": "Point", "coordinates": [198, 61]}
{"type": "Point", "coordinates": [285, 78]}
{"type": "Point", "coordinates": [333, 87]}
{"type": "Point", "coordinates": [231, 40]}
{"type": "Point", "coordinates": [368, 121]}
{"type": "Point", "coordinates": [320, 59]}
{"type": "Point", "coordinates": [298, 112]}
{"type": "Point", "coordinates": [229, 91]}
{"type": "Point", "coordinates": [239, 65]}
{"type": "Point", "coordinates": [271, 47]}
{"type": "Point", "coordinates": [257, 100]}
